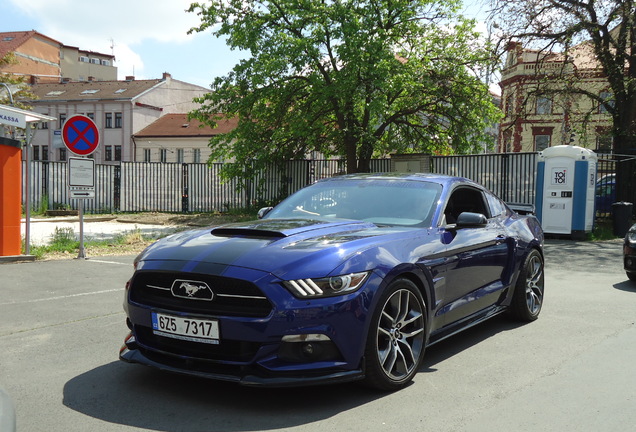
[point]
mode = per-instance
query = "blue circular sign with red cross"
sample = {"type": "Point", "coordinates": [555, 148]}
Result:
{"type": "Point", "coordinates": [80, 135]}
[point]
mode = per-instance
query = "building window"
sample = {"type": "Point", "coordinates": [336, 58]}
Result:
{"type": "Point", "coordinates": [509, 105]}
{"type": "Point", "coordinates": [108, 153]}
{"type": "Point", "coordinates": [36, 153]}
{"type": "Point", "coordinates": [108, 120]}
{"type": "Point", "coordinates": [544, 105]}
{"type": "Point", "coordinates": [90, 115]}
{"type": "Point", "coordinates": [541, 142]}
{"type": "Point", "coordinates": [94, 61]}
{"type": "Point", "coordinates": [179, 155]}
{"type": "Point", "coordinates": [117, 152]}
{"type": "Point", "coordinates": [147, 154]}
{"type": "Point", "coordinates": [105, 63]}
{"type": "Point", "coordinates": [44, 125]}
{"type": "Point", "coordinates": [118, 120]}
{"type": "Point", "coordinates": [62, 119]}
{"type": "Point", "coordinates": [62, 154]}
{"type": "Point", "coordinates": [163, 155]}
{"type": "Point", "coordinates": [196, 155]}
{"type": "Point", "coordinates": [83, 59]}
{"type": "Point", "coordinates": [608, 102]}
{"type": "Point", "coordinates": [45, 153]}
{"type": "Point", "coordinates": [604, 140]}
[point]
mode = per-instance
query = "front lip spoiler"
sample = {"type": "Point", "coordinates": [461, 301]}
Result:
{"type": "Point", "coordinates": [135, 356]}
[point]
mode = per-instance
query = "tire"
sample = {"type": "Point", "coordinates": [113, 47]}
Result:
{"type": "Point", "coordinates": [397, 337]}
{"type": "Point", "coordinates": [527, 299]}
{"type": "Point", "coordinates": [631, 276]}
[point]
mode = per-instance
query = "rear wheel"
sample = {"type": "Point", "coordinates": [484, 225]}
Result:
{"type": "Point", "coordinates": [395, 345]}
{"type": "Point", "coordinates": [528, 296]}
{"type": "Point", "coordinates": [631, 276]}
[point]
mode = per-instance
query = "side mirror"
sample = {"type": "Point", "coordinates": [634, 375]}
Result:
{"type": "Point", "coordinates": [471, 220]}
{"type": "Point", "coordinates": [263, 212]}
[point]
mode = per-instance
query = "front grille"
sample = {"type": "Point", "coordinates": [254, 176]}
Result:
{"type": "Point", "coordinates": [227, 350]}
{"type": "Point", "coordinates": [232, 297]}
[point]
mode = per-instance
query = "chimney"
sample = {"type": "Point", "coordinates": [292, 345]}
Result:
{"type": "Point", "coordinates": [66, 80]}
{"type": "Point", "coordinates": [166, 76]}
{"type": "Point", "coordinates": [130, 77]}
{"type": "Point", "coordinates": [35, 79]}
{"type": "Point", "coordinates": [91, 78]}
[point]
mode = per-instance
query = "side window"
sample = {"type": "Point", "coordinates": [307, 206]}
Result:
{"type": "Point", "coordinates": [465, 199]}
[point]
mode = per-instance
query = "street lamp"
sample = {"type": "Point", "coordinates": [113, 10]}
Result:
{"type": "Point", "coordinates": [8, 91]}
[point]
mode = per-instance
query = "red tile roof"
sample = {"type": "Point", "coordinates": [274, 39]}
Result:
{"type": "Point", "coordinates": [178, 125]}
{"type": "Point", "coordinates": [11, 41]}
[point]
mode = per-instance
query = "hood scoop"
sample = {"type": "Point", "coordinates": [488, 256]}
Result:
{"type": "Point", "coordinates": [247, 232]}
{"type": "Point", "coordinates": [283, 228]}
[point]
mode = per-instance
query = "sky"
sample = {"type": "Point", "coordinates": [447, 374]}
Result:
{"type": "Point", "coordinates": [147, 37]}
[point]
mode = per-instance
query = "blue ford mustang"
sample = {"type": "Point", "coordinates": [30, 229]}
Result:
{"type": "Point", "coordinates": [347, 279]}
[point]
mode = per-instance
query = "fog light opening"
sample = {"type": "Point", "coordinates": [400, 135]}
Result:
{"type": "Point", "coordinates": [308, 348]}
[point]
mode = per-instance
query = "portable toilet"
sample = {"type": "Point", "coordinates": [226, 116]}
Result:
{"type": "Point", "coordinates": [566, 180]}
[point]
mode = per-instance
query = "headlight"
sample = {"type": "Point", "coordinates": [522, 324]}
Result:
{"type": "Point", "coordinates": [326, 287]}
{"type": "Point", "coordinates": [631, 236]}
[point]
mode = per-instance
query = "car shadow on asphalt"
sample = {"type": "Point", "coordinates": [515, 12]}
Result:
{"type": "Point", "coordinates": [142, 397]}
{"type": "Point", "coordinates": [627, 286]}
{"type": "Point", "coordinates": [468, 338]}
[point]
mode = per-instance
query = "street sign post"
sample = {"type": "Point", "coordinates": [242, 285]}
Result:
{"type": "Point", "coordinates": [80, 135]}
{"type": "Point", "coordinates": [81, 185]}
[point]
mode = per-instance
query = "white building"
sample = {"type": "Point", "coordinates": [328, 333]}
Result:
{"type": "Point", "coordinates": [119, 108]}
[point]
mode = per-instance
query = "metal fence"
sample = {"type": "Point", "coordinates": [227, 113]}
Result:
{"type": "Point", "coordinates": [173, 187]}
{"type": "Point", "coordinates": [511, 176]}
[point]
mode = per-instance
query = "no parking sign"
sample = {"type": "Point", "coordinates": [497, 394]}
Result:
{"type": "Point", "coordinates": [80, 135]}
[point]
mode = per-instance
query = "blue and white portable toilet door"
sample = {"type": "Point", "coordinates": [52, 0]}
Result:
{"type": "Point", "coordinates": [566, 180]}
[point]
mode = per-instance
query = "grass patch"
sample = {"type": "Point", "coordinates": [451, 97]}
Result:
{"type": "Point", "coordinates": [603, 230]}
{"type": "Point", "coordinates": [65, 244]}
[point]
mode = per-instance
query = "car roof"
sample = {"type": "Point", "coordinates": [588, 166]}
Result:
{"type": "Point", "coordinates": [422, 177]}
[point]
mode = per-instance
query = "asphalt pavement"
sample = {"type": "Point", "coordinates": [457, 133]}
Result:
{"type": "Point", "coordinates": [61, 324]}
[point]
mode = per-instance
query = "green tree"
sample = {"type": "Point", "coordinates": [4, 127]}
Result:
{"type": "Point", "coordinates": [607, 27]}
{"type": "Point", "coordinates": [356, 79]}
{"type": "Point", "coordinates": [15, 83]}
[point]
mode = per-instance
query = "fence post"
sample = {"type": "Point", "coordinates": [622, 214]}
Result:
{"type": "Point", "coordinates": [45, 186]}
{"type": "Point", "coordinates": [185, 199]}
{"type": "Point", "coordinates": [117, 189]}
{"type": "Point", "coordinates": [504, 176]}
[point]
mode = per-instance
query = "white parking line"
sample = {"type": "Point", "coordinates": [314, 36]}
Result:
{"type": "Point", "coordinates": [89, 259]}
{"type": "Point", "coordinates": [62, 297]}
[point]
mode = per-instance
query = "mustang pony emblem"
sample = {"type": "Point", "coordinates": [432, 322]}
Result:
{"type": "Point", "coordinates": [189, 289]}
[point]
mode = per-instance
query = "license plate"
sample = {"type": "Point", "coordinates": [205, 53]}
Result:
{"type": "Point", "coordinates": [190, 329]}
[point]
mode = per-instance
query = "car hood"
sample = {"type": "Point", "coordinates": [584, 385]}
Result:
{"type": "Point", "coordinates": [277, 246]}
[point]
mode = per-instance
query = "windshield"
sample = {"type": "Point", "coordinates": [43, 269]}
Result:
{"type": "Point", "coordinates": [391, 202]}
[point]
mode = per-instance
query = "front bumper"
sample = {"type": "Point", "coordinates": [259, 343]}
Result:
{"type": "Point", "coordinates": [245, 376]}
{"type": "Point", "coordinates": [267, 350]}
{"type": "Point", "coordinates": [629, 257]}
